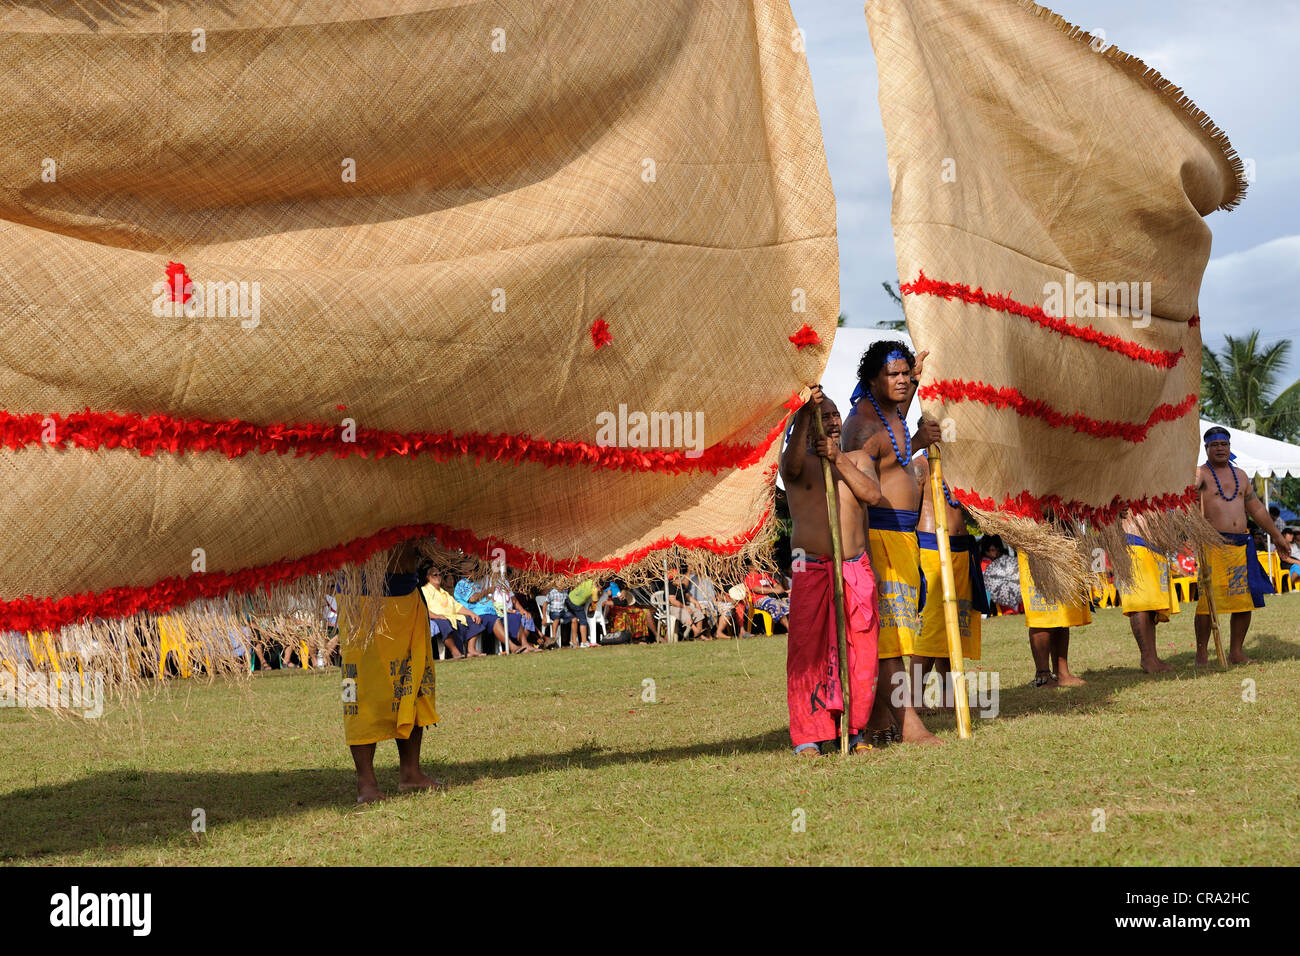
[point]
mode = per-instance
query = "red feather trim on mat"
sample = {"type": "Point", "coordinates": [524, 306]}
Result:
{"type": "Point", "coordinates": [41, 614]}
{"type": "Point", "coordinates": [151, 434]}
{"type": "Point", "coordinates": [1035, 314]}
{"type": "Point", "coordinates": [805, 336]}
{"type": "Point", "coordinates": [956, 390]}
{"type": "Point", "coordinates": [1025, 505]}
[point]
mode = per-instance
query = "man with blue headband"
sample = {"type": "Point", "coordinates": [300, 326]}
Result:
{"type": "Point", "coordinates": [1236, 577]}
{"type": "Point", "coordinates": [888, 376]}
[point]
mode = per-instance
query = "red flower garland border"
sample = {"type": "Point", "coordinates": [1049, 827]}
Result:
{"type": "Point", "coordinates": [1001, 303]}
{"type": "Point", "coordinates": [1026, 505]}
{"type": "Point", "coordinates": [48, 614]}
{"type": "Point", "coordinates": [150, 434]}
{"type": "Point", "coordinates": [957, 390]}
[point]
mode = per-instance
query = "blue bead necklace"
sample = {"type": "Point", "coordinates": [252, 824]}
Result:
{"type": "Point", "coordinates": [893, 441]}
{"type": "Point", "coordinates": [947, 496]}
{"type": "Point", "coordinates": [1236, 484]}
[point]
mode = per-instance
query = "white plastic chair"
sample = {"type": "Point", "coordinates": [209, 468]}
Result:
{"type": "Point", "coordinates": [660, 603]}
{"type": "Point", "coordinates": [594, 621]}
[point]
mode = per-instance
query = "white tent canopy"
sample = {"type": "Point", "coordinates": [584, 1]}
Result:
{"type": "Point", "coordinates": [1258, 456]}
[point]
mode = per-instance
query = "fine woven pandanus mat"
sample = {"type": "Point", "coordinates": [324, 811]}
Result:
{"type": "Point", "coordinates": [1048, 202]}
{"type": "Point", "coordinates": [284, 285]}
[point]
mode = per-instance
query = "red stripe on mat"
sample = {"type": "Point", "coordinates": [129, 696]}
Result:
{"type": "Point", "coordinates": [151, 434]}
{"type": "Point", "coordinates": [1026, 505]}
{"type": "Point", "coordinates": [1086, 333]}
{"type": "Point", "coordinates": [41, 614]}
{"type": "Point", "coordinates": [957, 390]}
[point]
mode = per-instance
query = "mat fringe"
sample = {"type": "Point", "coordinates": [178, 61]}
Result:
{"type": "Point", "coordinates": [1134, 66]}
{"type": "Point", "coordinates": [1068, 559]}
{"type": "Point", "coordinates": [213, 639]}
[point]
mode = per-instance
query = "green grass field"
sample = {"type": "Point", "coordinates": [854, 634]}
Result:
{"type": "Point", "coordinates": [561, 753]}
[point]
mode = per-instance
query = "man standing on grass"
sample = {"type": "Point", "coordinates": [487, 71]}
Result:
{"type": "Point", "coordinates": [1150, 598]}
{"type": "Point", "coordinates": [388, 680]}
{"type": "Point", "coordinates": [1049, 631]}
{"type": "Point", "coordinates": [813, 687]}
{"type": "Point", "coordinates": [1233, 569]}
{"type": "Point", "coordinates": [887, 378]}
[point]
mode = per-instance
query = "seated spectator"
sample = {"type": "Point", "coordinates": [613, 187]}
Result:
{"type": "Point", "coordinates": [717, 608]}
{"type": "Point", "coordinates": [683, 606]}
{"type": "Point", "coordinates": [767, 593]}
{"type": "Point", "coordinates": [576, 602]}
{"type": "Point", "coordinates": [449, 620]}
{"type": "Point", "coordinates": [557, 615]}
{"type": "Point", "coordinates": [1291, 562]}
{"type": "Point", "coordinates": [477, 597]}
{"type": "Point", "coordinates": [518, 622]}
{"type": "Point", "coordinates": [621, 614]}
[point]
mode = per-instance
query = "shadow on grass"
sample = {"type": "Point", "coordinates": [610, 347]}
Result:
{"type": "Point", "coordinates": [1019, 700]}
{"type": "Point", "coordinates": [111, 811]}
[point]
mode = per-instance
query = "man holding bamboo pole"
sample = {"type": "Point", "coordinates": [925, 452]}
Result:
{"type": "Point", "coordinates": [887, 379]}
{"type": "Point", "coordinates": [812, 658]}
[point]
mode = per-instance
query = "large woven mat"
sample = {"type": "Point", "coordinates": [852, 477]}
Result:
{"type": "Point", "coordinates": [1025, 152]}
{"type": "Point", "coordinates": [473, 229]}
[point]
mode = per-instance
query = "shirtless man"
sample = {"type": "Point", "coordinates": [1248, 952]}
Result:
{"type": "Point", "coordinates": [1238, 579]}
{"type": "Point", "coordinates": [812, 657]}
{"type": "Point", "coordinates": [887, 377]}
{"type": "Point", "coordinates": [931, 645]}
{"type": "Point", "coordinates": [1149, 600]}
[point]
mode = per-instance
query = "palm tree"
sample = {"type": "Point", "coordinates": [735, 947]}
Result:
{"type": "Point", "coordinates": [897, 325]}
{"type": "Point", "coordinates": [1239, 387]}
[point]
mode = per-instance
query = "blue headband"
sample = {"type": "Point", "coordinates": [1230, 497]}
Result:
{"type": "Point", "coordinates": [895, 355]}
{"type": "Point", "coordinates": [1210, 435]}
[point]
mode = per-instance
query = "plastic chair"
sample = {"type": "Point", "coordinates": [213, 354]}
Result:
{"type": "Point", "coordinates": [751, 612]}
{"type": "Point", "coordinates": [660, 604]}
{"type": "Point", "coordinates": [596, 620]}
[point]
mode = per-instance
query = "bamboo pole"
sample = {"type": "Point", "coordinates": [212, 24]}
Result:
{"type": "Point", "coordinates": [837, 554]}
{"type": "Point", "coordinates": [1206, 586]}
{"type": "Point", "coordinates": [956, 658]}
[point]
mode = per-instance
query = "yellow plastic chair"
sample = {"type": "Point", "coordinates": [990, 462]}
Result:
{"type": "Point", "coordinates": [1183, 589]}
{"type": "Point", "coordinates": [751, 612]}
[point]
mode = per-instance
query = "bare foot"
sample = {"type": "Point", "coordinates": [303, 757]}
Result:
{"type": "Point", "coordinates": [924, 737]}
{"type": "Point", "coordinates": [422, 782]}
{"type": "Point", "coordinates": [809, 752]}
{"type": "Point", "coordinates": [370, 793]}
{"type": "Point", "coordinates": [1069, 680]}
{"type": "Point", "coordinates": [1202, 658]}
{"type": "Point", "coordinates": [914, 732]}
{"type": "Point", "coordinates": [1237, 657]}
{"type": "Point", "coordinates": [1155, 666]}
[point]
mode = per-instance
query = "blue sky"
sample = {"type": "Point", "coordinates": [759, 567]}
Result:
{"type": "Point", "coordinates": [1238, 60]}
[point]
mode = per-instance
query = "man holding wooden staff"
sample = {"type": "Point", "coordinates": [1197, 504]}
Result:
{"type": "Point", "coordinates": [1233, 569]}
{"type": "Point", "coordinates": [887, 378]}
{"type": "Point", "coordinates": [812, 657]}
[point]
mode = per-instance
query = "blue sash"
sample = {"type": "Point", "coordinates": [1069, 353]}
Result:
{"type": "Point", "coordinates": [1256, 579]}
{"type": "Point", "coordinates": [892, 519]}
{"type": "Point", "coordinates": [979, 595]}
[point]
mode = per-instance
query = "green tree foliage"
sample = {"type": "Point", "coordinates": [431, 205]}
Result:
{"type": "Point", "coordinates": [1239, 387]}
